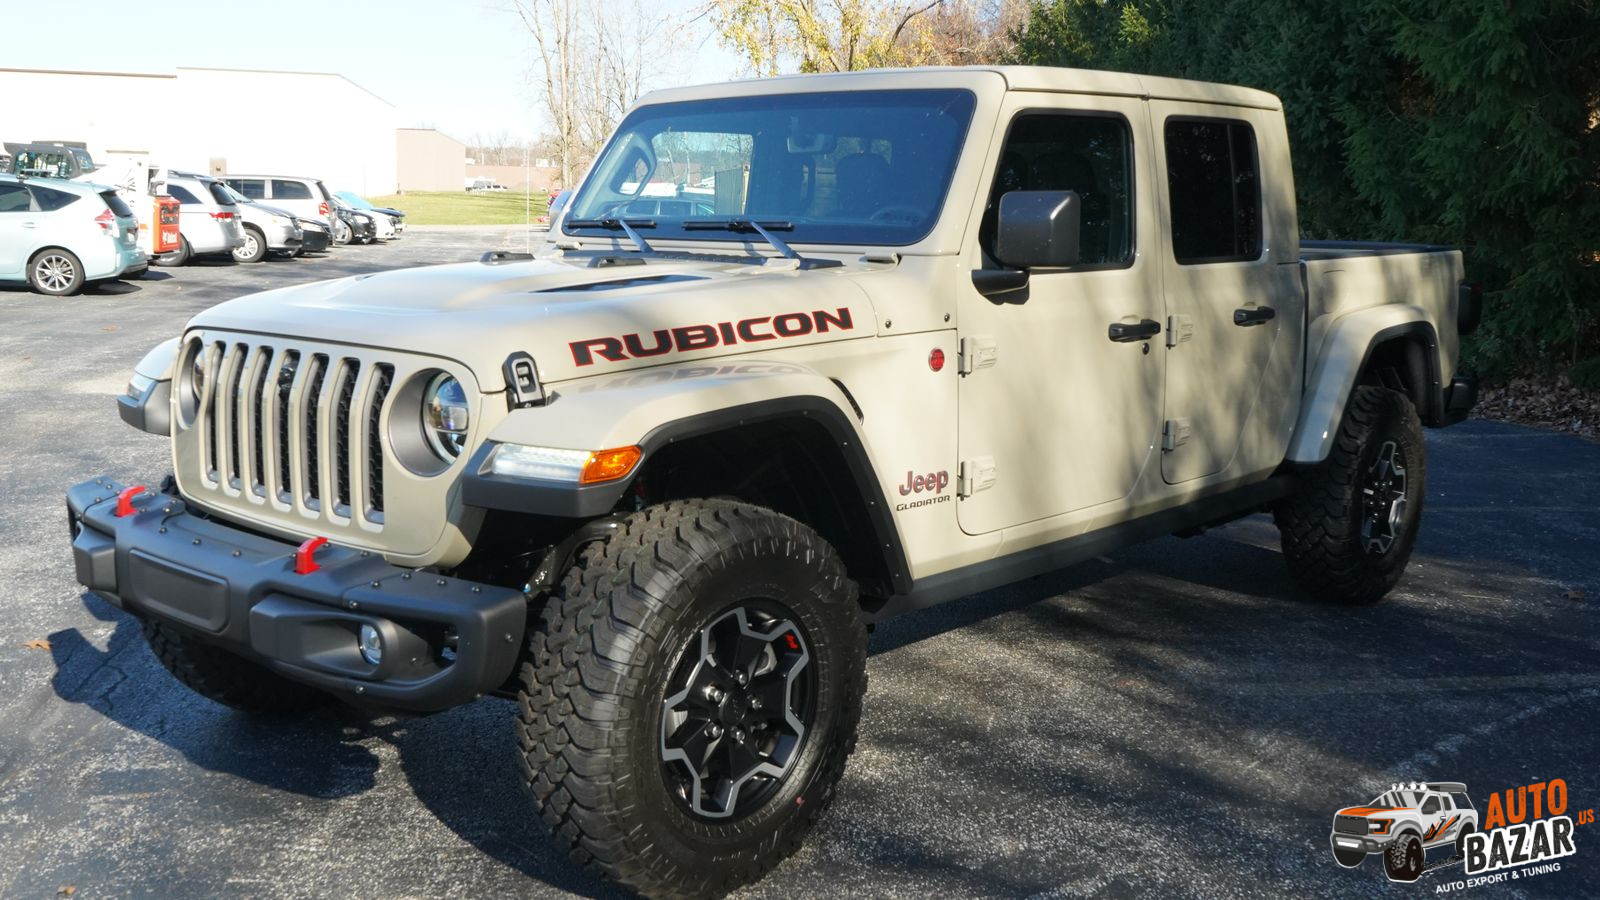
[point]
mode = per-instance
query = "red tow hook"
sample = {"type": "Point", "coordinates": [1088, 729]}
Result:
{"type": "Point", "coordinates": [303, 563]}
{"type": "Point", "coordinates": [125, 500]}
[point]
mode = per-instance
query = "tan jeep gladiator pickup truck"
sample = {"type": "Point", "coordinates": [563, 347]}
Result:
{"type": "Point", "coordinates": [802, 354]}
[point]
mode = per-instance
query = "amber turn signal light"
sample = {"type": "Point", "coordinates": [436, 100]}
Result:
{"type": "Point", "coordinates": [609, 465]}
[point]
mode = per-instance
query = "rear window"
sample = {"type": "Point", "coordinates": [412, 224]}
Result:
{"type": "Point", "coordinates": [1213, 184]}
{"type": "Point", "coordinates": [50, 199]}
{"type": "Point", "coordinates": [254, 188]}
{"type": "Point", "coordinates": [289, 190]}
{"type": "Point", "coordinates": [182, 194]}
{"type": "Point", "coordinates": [219, 193]}
{"type": "Point", "coordinates": [14, 198]}
{"type": "Point", "coordinates": [118, 207]}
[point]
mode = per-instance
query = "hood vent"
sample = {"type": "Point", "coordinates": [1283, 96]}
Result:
{"type": "Point", "coordinates": [621, 283]}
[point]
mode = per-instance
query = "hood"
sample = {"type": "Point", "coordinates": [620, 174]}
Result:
{"type": "Point", "coordinates": [1369, 810]}
{"type": "Point", "coordinates": [573, 319]}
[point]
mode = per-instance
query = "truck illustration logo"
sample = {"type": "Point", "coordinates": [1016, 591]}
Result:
{"type": "Point", "coordinates": [1403, 824]}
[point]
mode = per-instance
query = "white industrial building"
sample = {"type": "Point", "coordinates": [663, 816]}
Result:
{"type": "Point", "coordinates": [212, 120]}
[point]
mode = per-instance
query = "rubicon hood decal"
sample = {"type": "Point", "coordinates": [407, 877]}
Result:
{"type": "Point", "coordinates": [672, 311]}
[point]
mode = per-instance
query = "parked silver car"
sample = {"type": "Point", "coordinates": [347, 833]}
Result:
{"type": "Point", "coordinates": [307, 198]}
{"type": "Point", "coordinates": [267, 229]}
{"type": "Point", "coordinates": [208, 220]}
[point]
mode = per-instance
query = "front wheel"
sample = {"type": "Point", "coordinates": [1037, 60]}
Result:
{"type": "Point", "coordinates": [1404, 859]}
{"type": "Point", "coordinates": [1347, 533]}
{"type": "Point", "coordinates": [254, 248]}
{"type": "Point", "coordinates": [690, 696]}
{"type": "Point", "coordinates": [341, 232]}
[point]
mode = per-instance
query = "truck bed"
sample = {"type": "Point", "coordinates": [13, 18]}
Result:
{"type": "Point", "coordinates": [1320, 250]}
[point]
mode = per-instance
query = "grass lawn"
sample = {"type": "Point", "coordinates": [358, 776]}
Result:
{"type": "Point", "coordinates": [462, 208]}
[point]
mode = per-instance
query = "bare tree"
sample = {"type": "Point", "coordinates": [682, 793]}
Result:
{"type": "Point", "coordinates": [593, 61]}
{"type": "Point", "coordinates": [843, 35]}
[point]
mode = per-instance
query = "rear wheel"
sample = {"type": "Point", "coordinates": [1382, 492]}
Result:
{"type": "Point", "coordinates": [221, 676]}
{"type": "Point", "coordinates": [254, 248]}
{"type": "Point", "coordinates": [1348, 532]}
{"type": "Point", "coordinates": [56, 272]}
{"type": "Point", "coordinates": [177, 257]}
{"type": "Point", "coordinates": [690, 696]}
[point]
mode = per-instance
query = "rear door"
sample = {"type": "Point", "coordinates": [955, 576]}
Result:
{"type": "Point", "coordinates": [1232, 281]}
{"type": "Point", "coordinates": [17, 225]}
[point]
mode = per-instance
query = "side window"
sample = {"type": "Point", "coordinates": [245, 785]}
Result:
{"type": "Point", "coordinates": [253, 188]}
{"type": "Point", "coordinates": [182, 194]}
{"type": "Point", "coordinates": [1445, 802]}
{"type": "Point", "coordinates": [13, 198]}
{"type": "Point", "coordinates": [51, 200]}
{"type": "Point", "coordinates": [1089, 154]}
{"type": "Point", "coordinates": [1430, 806]}
{"type": "Point", "coordinates": [289, 190]}
{"type": "Point", "coordinates": [1215, 190]}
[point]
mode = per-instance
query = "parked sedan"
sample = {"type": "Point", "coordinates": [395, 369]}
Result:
{"type": "Point", "coordinates": [208, 218]}
{"type": "Point", "coordinates": [267, 229]}
{"type": "Point", "coordinates": [61, 235]}
{"type": "Point", "coordinates": [315, 237]}
{"type": "Point", "coordinates": [356, 201]}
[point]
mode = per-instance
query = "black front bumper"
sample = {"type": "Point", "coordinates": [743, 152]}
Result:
{"type": "Point", "coordinates": [445, 641]}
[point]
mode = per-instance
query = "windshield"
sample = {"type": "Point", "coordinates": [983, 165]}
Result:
{"type": "Point", "coordinates": [1399, 799]}
{"type": "Point", "coordinates": [845, 167]}
{"type": "Point", "coordinates": [355, 201]}
{"type": "Point", "coordinates": [225, 194]}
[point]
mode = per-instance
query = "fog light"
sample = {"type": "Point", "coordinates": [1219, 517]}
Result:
{"type": "Point", "coordinates": [371, 645]}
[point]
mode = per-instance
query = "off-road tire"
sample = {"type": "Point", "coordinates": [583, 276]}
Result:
{"type": "Point", "coordinates": [231, 680]}
{"type": "Point", "coordinates": [1348, 858]}
{"type": "Point", "coordinates": [1321, 524]}
{"type": "Point", "coordinates": [1404, 860]}
{"type": "Point", "coordinates": [594, 681]}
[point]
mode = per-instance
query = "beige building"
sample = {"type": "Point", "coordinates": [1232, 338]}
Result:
{"type": "Point", "coordinates": [428, 160]}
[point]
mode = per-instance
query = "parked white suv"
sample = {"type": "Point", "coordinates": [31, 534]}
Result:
{"type": "Point", "coordinates": [61, 235]}
{"type": "Point", "coordinates": [307, 198]}
{"type": "Point", "coordinates": [208, 221]}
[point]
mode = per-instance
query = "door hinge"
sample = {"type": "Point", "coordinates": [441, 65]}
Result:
{"type": "Point", "coordinates": [1179, 329]}
{"type": "Point", "coordinates": [1175, 434]}
{"type": "Point", "coordinates": [976, 353]}
{"type": "Point", "coordinates": [975, 475]}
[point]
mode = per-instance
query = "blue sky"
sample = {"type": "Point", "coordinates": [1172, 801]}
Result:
{"type": "Point", "coordinates": [460, 66]}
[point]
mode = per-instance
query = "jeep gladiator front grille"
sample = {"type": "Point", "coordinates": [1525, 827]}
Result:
{"type": "Point", "coordinates": [298, 429]}
{"type": "Point", "coordinates": [1350, 824]}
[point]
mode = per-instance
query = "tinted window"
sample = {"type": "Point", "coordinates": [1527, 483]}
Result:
{"type": "Point", "coordinates": [219, 193]}
{"type": "Point", "coordinates": [1088, 154]}
{"type": "Point", "coordinates": [1431, 806]}
{"type": "Point", "coordinates": [289, 190]}
{"type": "Point", "coordinates": [254, 188]}
{"type": "Point", "coordinates": [13, 198]}
{"type": "Point", "coordinates": [1214, 184]}
{"type": "Point", "coordinates": [50, 200]}
{"type": "Point", "coordinates": [181, 194]}
{"type": "Point", "coordinates": [118, 207]}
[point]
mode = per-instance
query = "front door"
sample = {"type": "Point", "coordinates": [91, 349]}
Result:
{"type": "Point", "coordinates": [1232, 281]}
{"type": "Point", "coordinates": [1054, 415]}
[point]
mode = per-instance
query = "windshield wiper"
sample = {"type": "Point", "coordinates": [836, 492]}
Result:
{"type": "Point", "coordinates": [747, 226]}
{"type": "Point", "coordinates": [612, 223]}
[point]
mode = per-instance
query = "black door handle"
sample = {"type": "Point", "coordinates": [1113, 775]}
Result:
{"type": "Point", "coordinates": [1252, 315]}
{"type": "Point", "coordinates": [1127, 334]}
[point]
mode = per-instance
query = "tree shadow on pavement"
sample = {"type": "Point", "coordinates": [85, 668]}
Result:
{"type": "Point", "coordinates": [309, 754]}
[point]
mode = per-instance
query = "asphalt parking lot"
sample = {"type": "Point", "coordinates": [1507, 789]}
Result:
{"type": "Point", "coordinates": [1172, 720]}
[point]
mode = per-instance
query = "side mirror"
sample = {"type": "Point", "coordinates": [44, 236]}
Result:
{"type": "Point", "coordinates": [1038, 229]}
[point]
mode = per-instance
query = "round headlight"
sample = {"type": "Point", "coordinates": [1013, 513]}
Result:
{"type": "Point", "coordinates": [444, 416]}
{"type": "Point", "coordinates": [197, 377]}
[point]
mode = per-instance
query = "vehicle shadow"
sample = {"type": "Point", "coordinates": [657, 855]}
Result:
{"type": "Point", "coordinates": [314, 754]}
